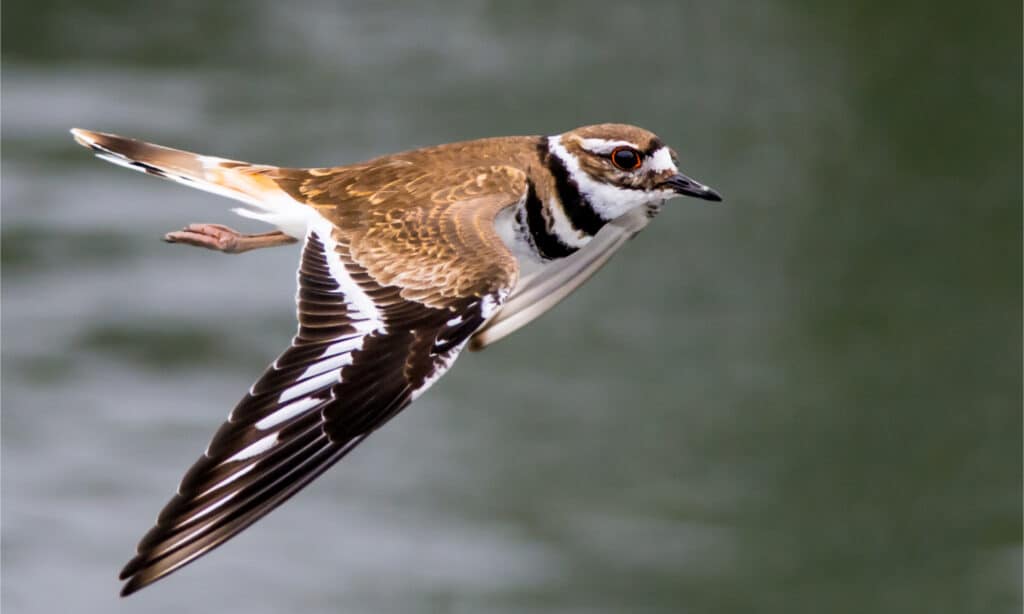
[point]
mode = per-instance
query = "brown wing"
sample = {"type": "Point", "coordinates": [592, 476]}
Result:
{"type": "Point", "coordinates": [429, 229]}
{"type": "Point", "coordinates": [378, 324]}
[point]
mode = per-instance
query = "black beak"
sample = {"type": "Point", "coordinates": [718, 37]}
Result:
{"type": "Point", "coordinates": [688, 187]}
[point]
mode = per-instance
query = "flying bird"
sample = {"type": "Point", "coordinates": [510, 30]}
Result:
{"type": "Point", "coordinates": [406, 260]}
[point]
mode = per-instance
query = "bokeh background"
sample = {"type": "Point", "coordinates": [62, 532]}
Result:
{"type": "Point", "coordinates": [805, 399]}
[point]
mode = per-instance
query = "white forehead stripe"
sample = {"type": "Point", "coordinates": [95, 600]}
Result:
{"type": "Point", "coordinates": [604, 146]}
{"type": "Point", "coordinates": [659, 161]}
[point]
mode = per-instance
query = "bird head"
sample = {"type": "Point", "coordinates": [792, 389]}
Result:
{"type": "Point", "coordinates": [618, 167]}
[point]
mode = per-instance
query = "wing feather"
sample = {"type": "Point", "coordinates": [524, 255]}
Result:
{"type": "Point", "coordinates": [361, 354]}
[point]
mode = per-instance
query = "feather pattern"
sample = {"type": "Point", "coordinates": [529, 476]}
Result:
{"type": "Point", "coordinates": [406, 259]}
{"type": "Point", "coordinates": [344, 376]}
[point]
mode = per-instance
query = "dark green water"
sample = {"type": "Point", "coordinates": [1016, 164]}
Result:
{"type": "Point", "coordinates": [806, 399]}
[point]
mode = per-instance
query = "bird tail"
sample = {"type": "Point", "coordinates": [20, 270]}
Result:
{"type": "Point", "coordinates": [252, 184]}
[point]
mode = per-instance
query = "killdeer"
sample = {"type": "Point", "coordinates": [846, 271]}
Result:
{"type": "Point", "coordinates": [406, 259]}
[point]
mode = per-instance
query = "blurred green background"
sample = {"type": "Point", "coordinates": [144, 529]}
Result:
{"type": "Point", "coordinates": [806, 399]}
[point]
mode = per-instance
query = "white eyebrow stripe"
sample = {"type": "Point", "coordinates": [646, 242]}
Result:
{"type": "Point", "coordinates": [659, 161]}
{"type": "Point", "coordinates": [604, 146]}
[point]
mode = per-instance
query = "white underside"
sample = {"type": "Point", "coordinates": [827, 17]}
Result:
{"type": "Point", "coordinates": [515, 239]}
{"type": "Point", "coordinates": [544, 285]}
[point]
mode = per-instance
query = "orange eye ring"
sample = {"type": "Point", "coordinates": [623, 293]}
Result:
{"type": "Point", "coordinates": [626, 158]}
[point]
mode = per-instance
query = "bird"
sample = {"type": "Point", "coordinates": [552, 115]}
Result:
{"type": "Point", "coordinates": [406, 260]}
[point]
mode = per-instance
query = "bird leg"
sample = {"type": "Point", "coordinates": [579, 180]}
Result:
{"type": "Point", "coordinates": [223, 239]}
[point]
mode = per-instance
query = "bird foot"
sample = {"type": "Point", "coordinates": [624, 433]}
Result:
{"type": "Point", "coordinates": [223, 239]}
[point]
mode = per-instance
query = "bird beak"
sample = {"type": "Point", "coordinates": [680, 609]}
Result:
{"type": "Point", "coordinates": [682, 184]}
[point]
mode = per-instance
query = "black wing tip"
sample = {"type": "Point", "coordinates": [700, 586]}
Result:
{"type": "Point", "coordinates": [132, 586]}
{"type": "Point", "coordinates": [142, 571]}
{"type": "Point", "coordinates": [131, 568]}
{"type": "Point", "coordinates": [139, 573]}
{"type": "Point", "coordinates": [130, 574]}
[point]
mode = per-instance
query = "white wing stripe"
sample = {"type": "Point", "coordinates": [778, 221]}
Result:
{"type": "Point", "coordinates": [254, 449]}
{"type": "Point", "coordinates": [331, 363]}
{"type": "Point", "coordinates": [309, 385]}
{"type": "Point", "coordinates": [231, 478]}
{"type": "Point", "coordinates": [363, 312]}
{"type": "Point", "coordinates": [288, 411]}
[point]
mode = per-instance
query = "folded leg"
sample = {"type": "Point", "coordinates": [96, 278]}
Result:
{"type": "Point", "coordinates": [223, 239]}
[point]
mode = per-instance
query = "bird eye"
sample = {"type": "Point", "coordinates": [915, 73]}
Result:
{"type": "Point", "coordinates": [625, 158]}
